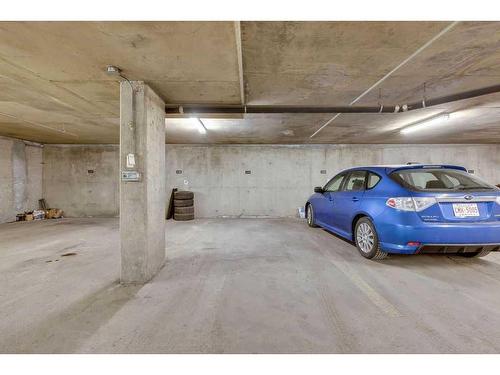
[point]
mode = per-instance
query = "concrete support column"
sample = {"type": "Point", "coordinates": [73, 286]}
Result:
{"type": "Point", "coordinates": [142, 194]}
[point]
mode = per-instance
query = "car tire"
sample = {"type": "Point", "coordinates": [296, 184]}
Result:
{"type": "Point", "coordinates": [183, 194]}
{"type": "Point", "coordinates": [310, 216]}
{"type": "Point", "coordinates": [184, 210]}
{"type": "Point", "coordinates": [366, 239]}
{"type": "Point", "coordinates": [478, 254]}
{"type": "Point", "coordinates": [183, 217]}
{"type": "Point", "coordinates": [183, 202]}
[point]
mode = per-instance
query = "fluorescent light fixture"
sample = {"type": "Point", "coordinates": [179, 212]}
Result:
{"type": "Point", "coordinates": [201, 126]}
{"type": "Point", "coordinates": [426, 124]}
{"type": "Point", "coordinates": [187, 123]}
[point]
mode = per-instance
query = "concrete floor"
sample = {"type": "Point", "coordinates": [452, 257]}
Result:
{"type": "Point", "coordinates": [238, 286]}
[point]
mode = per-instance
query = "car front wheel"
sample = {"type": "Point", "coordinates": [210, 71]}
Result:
{"type": "Point", "coordinates": [310, 216]}
{"type": "Point", "coordinates": [366, 239]}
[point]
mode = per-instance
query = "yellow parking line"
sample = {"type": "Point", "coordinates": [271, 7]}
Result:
{"type": "Point", "coordinates": [375, 297]}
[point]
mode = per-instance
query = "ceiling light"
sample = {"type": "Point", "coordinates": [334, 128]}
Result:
{"type": "Point", "coordinates": [201, 126]}
{"type": "Point", "coordinates": [441, 119]}
{"type": "Point", "coordinates": [113, 70]}
{"type": "Point", "coordinates": [189, 124]}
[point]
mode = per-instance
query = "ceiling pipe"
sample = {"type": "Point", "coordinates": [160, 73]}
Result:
{"type": "Point", "coordinates": [190, 109]}
{"type": "Point", "coordinates": [452, 98]}
{"type": "Point", "coordinates": [200, 109]}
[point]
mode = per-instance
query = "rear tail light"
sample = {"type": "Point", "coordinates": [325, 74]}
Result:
{"type": "Point", "coordinates": [413, 243]}
{"type": "Point", "coordinates": [422, 203]}
{"type": "Point", "coordinates": [401, 203]}
{"type": "Point", "coordinates": [410, 204]}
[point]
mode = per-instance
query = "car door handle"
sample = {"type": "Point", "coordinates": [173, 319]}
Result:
{"type": "Point", "coordinates": [355, 199]}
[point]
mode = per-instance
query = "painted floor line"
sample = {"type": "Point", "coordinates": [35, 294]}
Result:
{"type": "Point", "coordinates": [375, 297]}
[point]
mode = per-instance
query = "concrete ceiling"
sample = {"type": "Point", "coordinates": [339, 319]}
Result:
{"type": "Point", "coordinates": [53, 88]}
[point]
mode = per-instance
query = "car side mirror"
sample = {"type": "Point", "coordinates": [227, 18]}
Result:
{"type": "Point", "coordinates": [319, 189]}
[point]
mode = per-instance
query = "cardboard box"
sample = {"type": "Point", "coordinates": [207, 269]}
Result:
{"type": "Point", "coordinates": [39, 214]}
{"type": "Point", "coordinates": [53, 213]}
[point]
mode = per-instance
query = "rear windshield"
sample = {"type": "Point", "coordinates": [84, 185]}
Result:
{"type": "Point", "coordinates": [439, 180]}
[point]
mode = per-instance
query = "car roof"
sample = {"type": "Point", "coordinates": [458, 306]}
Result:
{"type": "Point", "coordinates": [393, 167]}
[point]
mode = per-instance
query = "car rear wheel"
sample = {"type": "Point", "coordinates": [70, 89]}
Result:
{"type": "Point", "coordinates": [478, 254]}
{"type": "Point", "coordinates": [366, 239]}
{"type": "Point", "coordinates": [310, 216]}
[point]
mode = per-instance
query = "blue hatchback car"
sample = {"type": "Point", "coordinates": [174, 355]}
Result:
{"type": "Point", "coordinates": [409, 209]}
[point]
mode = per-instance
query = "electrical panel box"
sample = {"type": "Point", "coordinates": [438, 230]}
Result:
{"type": "Point", "coordinates": [130, 160]}
{"type": "Point", "coordinates": [131, 176]}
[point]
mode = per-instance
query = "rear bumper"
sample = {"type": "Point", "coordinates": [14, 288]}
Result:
{"type": "Point", "coordinates": [456, 249]}
{"type": "Point", "coordinates": [437, 237]}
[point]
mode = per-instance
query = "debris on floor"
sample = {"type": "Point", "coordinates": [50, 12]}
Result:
{"type": "Point", "coordinates": [38, 214]}
{"type": "Point", "coordinates": [50, 213]}
{"type": "Point", "coordinates": [53, 213]}
{"type": "Point", "coordinates": [301, 212]}
{"type": "Point", "coordinates": [42, 213]}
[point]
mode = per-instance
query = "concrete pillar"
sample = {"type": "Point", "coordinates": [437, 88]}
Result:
{"type": "Point", "coordinates": [142, 195]}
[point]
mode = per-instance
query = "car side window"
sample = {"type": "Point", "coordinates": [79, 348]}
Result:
{"type": "Point", "coordinates": [356, 181]}
{"type": "Point", "coordinates": [335, 183]}
{"type": "Point", "coordinates": [373, 180]}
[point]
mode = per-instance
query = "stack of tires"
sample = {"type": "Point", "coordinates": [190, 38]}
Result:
{"type": "Point", "coordinates": [183, 205]}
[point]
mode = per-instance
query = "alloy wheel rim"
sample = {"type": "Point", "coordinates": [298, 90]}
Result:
{"type": "Point", "coordinates": [309, 215]}
{"type": "Point", "coordinates": [365, 237]}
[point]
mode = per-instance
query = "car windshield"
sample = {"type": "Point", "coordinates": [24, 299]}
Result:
{"type": "Point", "coordinates": [439, 180]}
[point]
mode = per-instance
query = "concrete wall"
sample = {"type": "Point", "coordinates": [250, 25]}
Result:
{"type": "Point", "coordinates": [20, 178]}
{"type": "Point", "coordinates": [281, 179]}
{"type": "Point", "coordinates": [82, 180]}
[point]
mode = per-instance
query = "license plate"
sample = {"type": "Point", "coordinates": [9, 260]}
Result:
{"type": "Point", "coordinates": [465, 209]}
